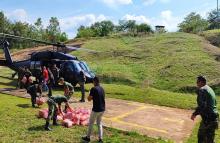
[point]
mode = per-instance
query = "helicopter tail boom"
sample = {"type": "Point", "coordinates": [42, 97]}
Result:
{"type": "Point", "coordinates": [7, 52]}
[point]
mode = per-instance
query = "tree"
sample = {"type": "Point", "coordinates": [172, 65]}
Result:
{"type": "Point", "coordinates": [193, 23]}
{"type": "Point", "coordinates": [39, 30]}
{"type": "Point", "coordinates": [212, 16]}
{"type": "Point", "coordinates": [5, 26]}
{"type": "Point", "coordinates": [102, 28]}
{"type": "Point", "coordinates": [143, 28]}
{"type": "Point", "coordinates": [63, 37]}
{"type": "Point", "coordinates": [85, 32]}
{"type": "Point", "coordinates": [53, 30]}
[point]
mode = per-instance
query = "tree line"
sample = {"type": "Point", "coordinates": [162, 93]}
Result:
{"type": "Point", "coordinates": [106, 27]}
{"type": "Point", "coordinates": [52, 33]}
{"type": "Point", "coordinates": [194, 23]}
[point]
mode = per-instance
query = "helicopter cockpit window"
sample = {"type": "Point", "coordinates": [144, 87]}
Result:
{"type": "Point", "coordinates": [77, 67]}
{"type": "Point", "coordinates": [84, 66]}
{"type": "Point", "coordinates": [69, 67]}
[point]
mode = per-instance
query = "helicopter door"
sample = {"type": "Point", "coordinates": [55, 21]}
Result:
{"type": "Point", "coordinates": [68, 73]}
{"type": "Point", "coordinates": [35, 65]}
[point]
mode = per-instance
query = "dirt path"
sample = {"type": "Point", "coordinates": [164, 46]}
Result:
{"type": "Point", "coordinates": [146, 119]}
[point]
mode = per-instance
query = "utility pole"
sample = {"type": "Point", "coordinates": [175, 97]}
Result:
{"type": "Point", "coordinates": [217, 5]}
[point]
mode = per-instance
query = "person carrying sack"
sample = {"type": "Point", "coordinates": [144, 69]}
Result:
{"type": "Point", "coordinates": [53, 109]}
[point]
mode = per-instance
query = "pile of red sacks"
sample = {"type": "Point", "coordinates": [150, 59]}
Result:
{"type": "Point", "coordinates": [71, 118]}
{"type": "Point", "coordinates": [40, 101]}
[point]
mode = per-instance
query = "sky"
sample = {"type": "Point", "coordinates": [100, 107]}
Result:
{"type": "Point", "coordinates": [73, 13]}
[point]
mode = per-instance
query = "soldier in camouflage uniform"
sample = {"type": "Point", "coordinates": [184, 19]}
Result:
{"type": "Point", "coordinates": [82, 80]}
{"type": "Point", "coordinates": [68, 88]}
{"type": "Point", "coordinates": [33, 90]}
{"type": "Point", "coordinates": [53, 109]}
{"type": "Point", "coordinates": [207, 109]}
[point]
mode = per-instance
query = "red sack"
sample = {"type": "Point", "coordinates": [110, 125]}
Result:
{"type": "Point", "coordinates": [84, 123]}
{"type": "Point", "coordinates": [69, 110]}
{"type": "Point", "coordinates": [67, 123]}
{"type": "Point", "coordinates": [59, 118]}
{"type": "Point", "coordinates": [69, 115]}
{"type": "Point", "coordinates": [43, 113]}
{"type": "Point", "coordinates": [76, 119]}
{"type": "Point", "coordinates": [40, 101]}
{"type": "Point", "coordinates": [85, 111]}
{"type": "Point", "coordinates": [84, 117]}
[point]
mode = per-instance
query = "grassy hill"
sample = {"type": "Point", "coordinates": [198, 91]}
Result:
{"type": "Point", "coordinates": [213, 36]}
{"type": "Point", "coordinates": [168, 61]}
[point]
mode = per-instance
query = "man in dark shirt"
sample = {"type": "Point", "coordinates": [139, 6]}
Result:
{"type": "Point", "coordinates": [53, 110]}
{"type": "Point", "coordinates": [207, 109]}
{"type": "Point", "coordinates": [97, 94]}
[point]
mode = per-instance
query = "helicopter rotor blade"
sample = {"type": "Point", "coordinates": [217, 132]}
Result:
{"type": "Point", "coordinates": [71, 48]}
{"type": "Point", "coordinates": [9, 36]}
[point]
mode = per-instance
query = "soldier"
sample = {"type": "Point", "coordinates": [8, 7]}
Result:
{"type": "Point", "coordinates": [207, 109]}
{"type": "Point", "coordinates": [53, 110]}
{"type": "Point", "coordinates": [50, 82]}
{"type": "Point", "coordinates": [33, 90]}
{"type": "Point", "coordinates": [68, 88]}
{"type": "Point", "coordinates": [55, 70]}
{"type": "Point", "coordinates": [27, 74]}
{"type": "Point", "coordinates": [82, 80]}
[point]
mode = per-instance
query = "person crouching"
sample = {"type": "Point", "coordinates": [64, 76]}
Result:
{"type": "Point", "coordinates": [53, 109]}
{"type": "Point", "coordinates": [33, 90]}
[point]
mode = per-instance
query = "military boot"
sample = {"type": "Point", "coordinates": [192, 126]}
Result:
{"type": "Point", "coordinates": [55, 122]}
{"type": "Point", "coordinates": [47, 128]}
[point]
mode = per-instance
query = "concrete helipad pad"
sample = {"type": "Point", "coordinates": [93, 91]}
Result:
{"type": "Point", "coordinates": [147, 119]}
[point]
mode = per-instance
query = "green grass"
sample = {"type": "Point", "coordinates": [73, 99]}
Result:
{"type": "Point", "coordinates": [125, 92]}
{"type": "Point", "coordinates": [19, 124]}
{"type": "Point", "coordinates": [168, 61]}
{"type": "Point", "coordinates": [213, 36]}
{"type": "Point", "coordinates": [193, 136]}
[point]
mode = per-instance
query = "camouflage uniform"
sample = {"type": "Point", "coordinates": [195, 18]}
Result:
{"type": "Point", "coordinates": [68, 90]}
{"type": "Point", "coordinates": [53, 110]}
{"type": "Point", "coordinates": [33, 90]}
{"type": "Point", "coordinates": [207, 109]}
{"type": "Point", "coordinates": [82, 80]}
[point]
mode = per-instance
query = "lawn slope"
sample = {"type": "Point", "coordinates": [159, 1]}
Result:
{"type": "Point", "coordinates": [168, 61]}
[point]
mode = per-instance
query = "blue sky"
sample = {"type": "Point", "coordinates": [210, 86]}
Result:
{"type": "Point", "coordinates": [73, 13]}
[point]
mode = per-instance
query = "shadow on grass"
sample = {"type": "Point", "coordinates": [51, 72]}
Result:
{"type": "Point", "coordinates": [5, 77]}
{"type": "Point", "coordinates": [11, 83]}
{"type": "Point", "coordinates": [37, 128]}
{"type": "Point", "coordinates": [23, 105]}
{"type": "Point", "coordinates": [78, 89]}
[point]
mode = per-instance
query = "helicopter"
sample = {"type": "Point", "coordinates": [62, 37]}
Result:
{"type": "Point", "coordinates": [70, 66]}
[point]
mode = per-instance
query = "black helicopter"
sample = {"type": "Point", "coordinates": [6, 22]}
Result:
{"type": "Point", "coordinates": [70, 66]}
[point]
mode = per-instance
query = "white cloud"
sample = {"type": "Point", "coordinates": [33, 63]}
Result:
{"type": "Point", "coordinates": [139, 19]}
{"type": "Point", "coordinates": [70, 24]}
{"type": "Point", "coordinates": [117, 2]}
{"type": "Point", "coordinates": [165, 1]}
{"type": "Point", "coordinates": [168, 20]}
{"type": "Point", "coordinates": [76, 21]}
{"type": "Point", "coordinates": [18, 15]}
{"type": "Point", "coordinates": [151, 2]}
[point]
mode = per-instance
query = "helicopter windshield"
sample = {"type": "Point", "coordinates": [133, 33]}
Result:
{"type": "Point", "coordinates": [77, 67]}
{"type": "Point", "coordinates": [84, 66]}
